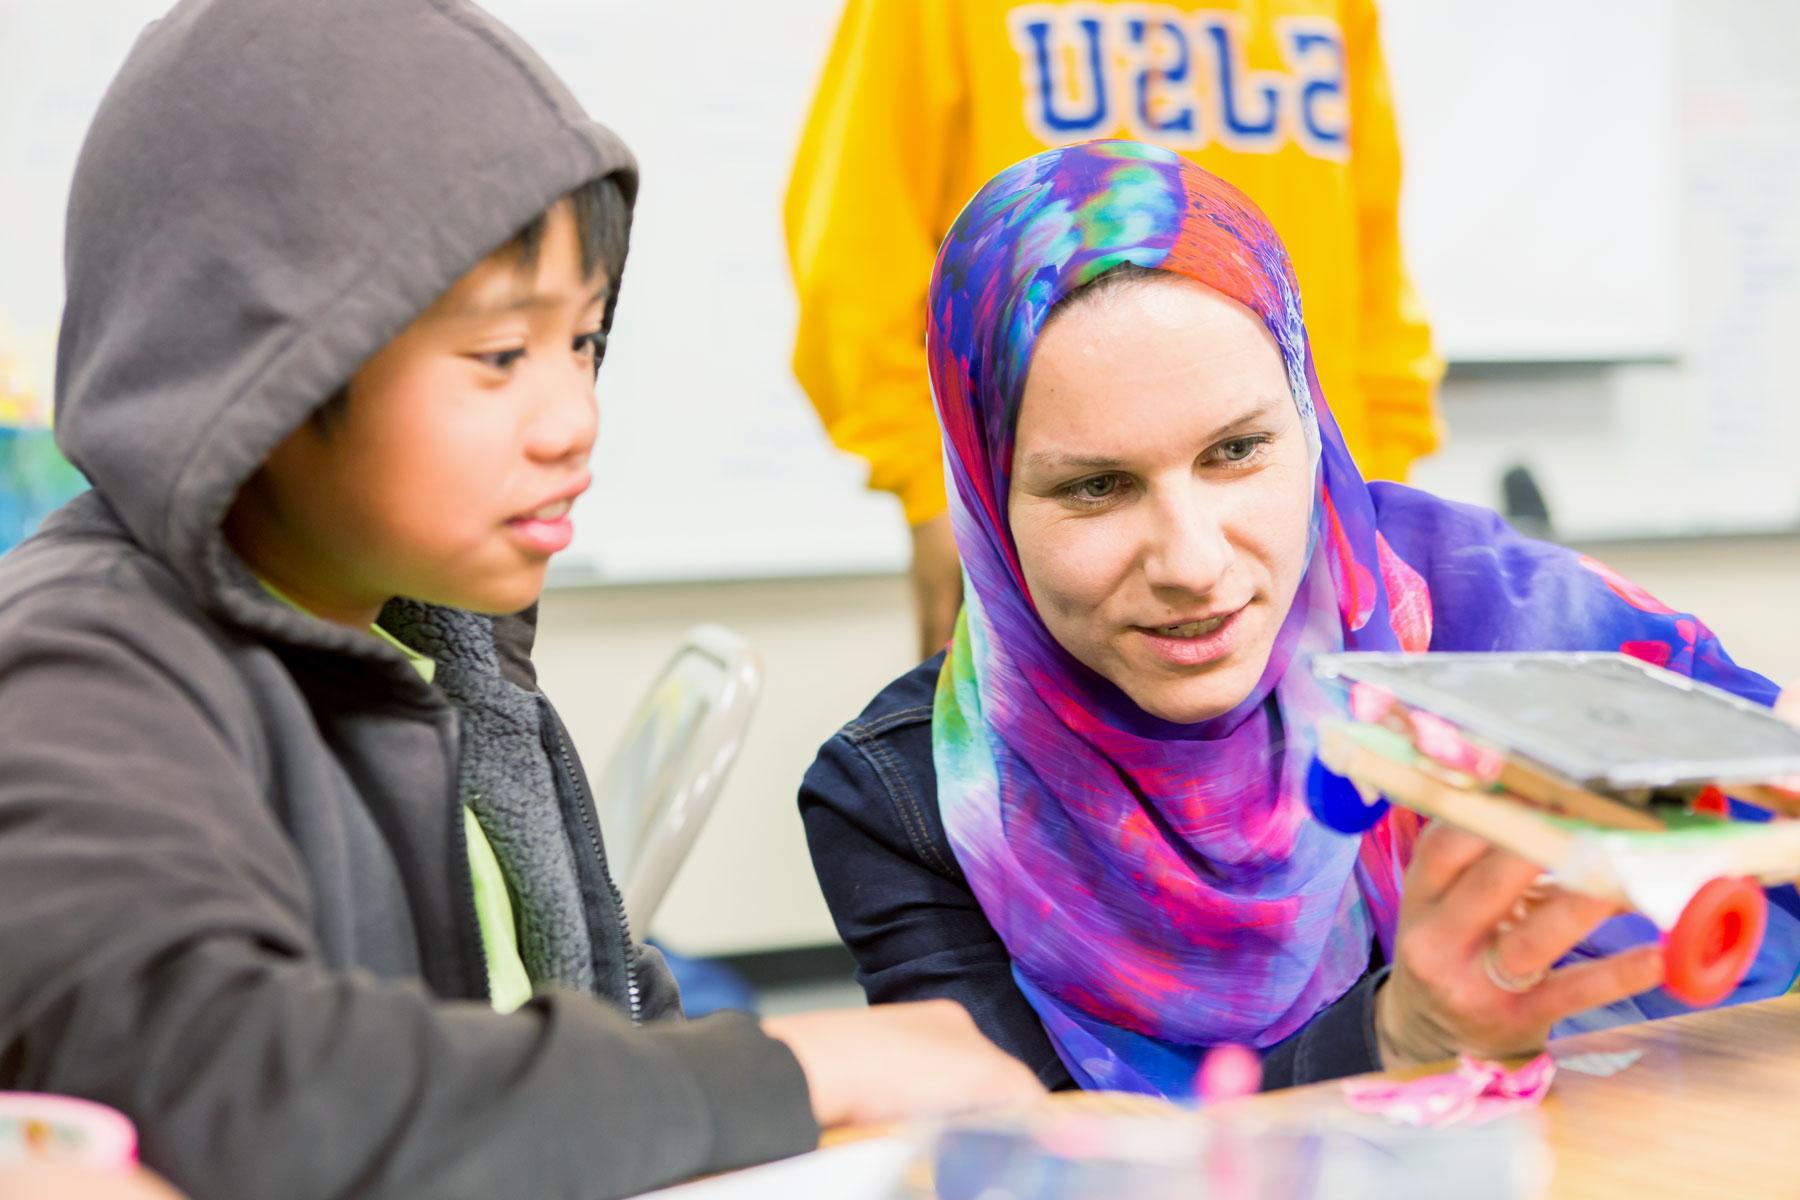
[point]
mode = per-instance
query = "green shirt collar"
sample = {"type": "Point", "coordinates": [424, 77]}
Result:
{"type": "Point", "coordinates": [423, 664]}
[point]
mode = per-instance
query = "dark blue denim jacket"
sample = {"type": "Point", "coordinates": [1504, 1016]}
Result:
{"type": "Point", "coordinates": [904, 908]}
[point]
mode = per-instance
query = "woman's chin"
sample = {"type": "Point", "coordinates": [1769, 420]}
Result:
{"type": "Point", "coordinates": [1190, 697]}
{"type": "Point", "coordinates": [1190, 701]}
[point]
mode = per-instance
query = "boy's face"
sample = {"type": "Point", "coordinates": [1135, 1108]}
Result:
{"type": "Point", "coordinates": [448, 475]}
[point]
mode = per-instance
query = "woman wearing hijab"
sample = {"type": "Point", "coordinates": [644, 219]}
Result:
{"type": "Point", "coordinates": [1087, 821]}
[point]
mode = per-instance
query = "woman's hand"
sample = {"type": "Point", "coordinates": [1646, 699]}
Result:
{"type": "Point", "coordinates": [1477, 939]}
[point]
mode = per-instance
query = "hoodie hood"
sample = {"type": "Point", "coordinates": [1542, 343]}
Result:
{"type": "Point", "coordinates": [269, 192]}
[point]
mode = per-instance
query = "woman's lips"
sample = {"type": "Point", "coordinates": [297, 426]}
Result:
{"type": "Point", "coordinates": [1196, 644]}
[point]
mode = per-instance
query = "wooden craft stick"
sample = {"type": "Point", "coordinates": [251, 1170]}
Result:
{"type": "Point", "coordinates": [1497, 819]}
{"type": "Point", "coordinates": [1559, 795]}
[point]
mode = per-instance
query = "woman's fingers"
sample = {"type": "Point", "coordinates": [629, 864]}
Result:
{"type": "Point", "coordinates": [1443, 853]}
{"type": "Point", "coordinates": [1581, 986]}
{"type": "Point", "coordinates": [1481, 897]}
{"type": "Point", "coordinates": [1548, 929]}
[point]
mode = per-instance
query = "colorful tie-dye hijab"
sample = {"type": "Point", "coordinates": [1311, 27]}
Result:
{"type": "Point", "coordinates": [1163, 888]}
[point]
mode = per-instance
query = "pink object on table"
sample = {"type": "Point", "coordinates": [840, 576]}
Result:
{"type": "Point", "coordinates": [1476, 1092]}
{"type": "Point", "coordinates": [1228, 1073]}
{"type": "Point", "coordinates": [63, 1129]}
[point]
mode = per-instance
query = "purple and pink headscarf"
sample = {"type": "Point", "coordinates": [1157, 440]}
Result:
{"type": "Point", "coordinates": [1163, 888]}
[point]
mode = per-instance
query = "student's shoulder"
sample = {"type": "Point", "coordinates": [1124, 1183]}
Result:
{"type": "Point", "coordinates": [82, 590]}
{"type": "Point", "coordinates": [82, 551]}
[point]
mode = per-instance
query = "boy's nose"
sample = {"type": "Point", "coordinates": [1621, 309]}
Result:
{"type": "Point", "coordinates": [566, 423]}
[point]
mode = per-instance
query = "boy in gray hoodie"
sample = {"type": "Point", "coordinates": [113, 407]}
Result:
{"type": "Point", "coordinates": [283, 818]}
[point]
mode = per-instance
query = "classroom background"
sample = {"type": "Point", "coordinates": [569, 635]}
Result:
{"type": "Point", "coordinates": [1602, 211]}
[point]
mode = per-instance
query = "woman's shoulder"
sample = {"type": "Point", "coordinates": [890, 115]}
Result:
{"type": "Point", "coordinates": [904, 704]}
{"type": "Point", "coordinates": [877, 773]}
{"type": "Point", "coordinates": [890, 739]}
{"type": "Point", "coordinates": [1410, 512]}
{"type": "Point", "coordinates": [1435, 535]}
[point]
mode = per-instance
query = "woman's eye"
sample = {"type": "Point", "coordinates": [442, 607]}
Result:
{"type": "Point", "coordinates": [1095, 488]}
{"type": "Point", "coordinates": [1239, 450]}
{"type": "Point", "coordinates": [501, 360]}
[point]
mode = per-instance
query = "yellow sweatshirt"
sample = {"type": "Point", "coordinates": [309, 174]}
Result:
{"type": "Point", "coordinates": [922, 101]}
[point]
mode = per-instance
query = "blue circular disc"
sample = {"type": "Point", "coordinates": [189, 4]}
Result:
{"type": "Point", "coordinates": [1337, 804]}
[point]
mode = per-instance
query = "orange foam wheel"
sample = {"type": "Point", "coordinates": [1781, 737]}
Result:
{"type": "Point", "coordinates": [1711, 947]}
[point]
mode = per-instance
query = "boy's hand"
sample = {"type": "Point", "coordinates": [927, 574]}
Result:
{"type": "Point", "coordinates": [895, 1061]}
{"type": "Point", "coordinates": [65, 1181]}
{"type": "Point", "coordinates": [1477, 941]}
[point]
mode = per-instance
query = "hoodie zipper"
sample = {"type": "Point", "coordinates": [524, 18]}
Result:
{"type": "Point", "coordinates": [465, 873]}
{"type": "Point", "coordinates": [582, 804]}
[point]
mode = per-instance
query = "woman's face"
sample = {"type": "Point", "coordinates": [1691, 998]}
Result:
{"type": "Point", "coordinates": [1161, 492]}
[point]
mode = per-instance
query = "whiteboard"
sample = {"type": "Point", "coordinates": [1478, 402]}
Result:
{"type": "Point", "coordinates": [1706, 444]}
{"type": "Point", "coordinates": [711, 463]}
{"type": "Point", "coordinates": [1541, 154]}
{"type": "Point", "coordinates": [1543, 213]}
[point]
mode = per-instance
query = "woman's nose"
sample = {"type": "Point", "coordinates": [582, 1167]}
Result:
{"type": "Point", "coordinates": [1188, 551]}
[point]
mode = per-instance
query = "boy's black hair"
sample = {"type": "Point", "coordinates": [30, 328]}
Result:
{"type": "Point", "coordinates": [602, 224]}
{"type": "Point", "coordinates": [603, 229]}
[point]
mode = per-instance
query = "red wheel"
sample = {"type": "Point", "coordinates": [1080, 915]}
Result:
{"type": "Point", "coordinates": [1711, 947]}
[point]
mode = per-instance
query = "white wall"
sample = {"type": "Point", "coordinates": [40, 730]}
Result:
{"type": "Point", "coordinates": [830, 644]}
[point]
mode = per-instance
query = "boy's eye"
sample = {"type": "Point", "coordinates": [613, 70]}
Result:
{"type": "Point", "coordinates": [592, 347]}
{"type": "Point", "coordinates": [501, 360]}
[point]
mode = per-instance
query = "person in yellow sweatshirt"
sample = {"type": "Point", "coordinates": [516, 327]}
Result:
{"type": "Point", "coordinates": [922, 100]}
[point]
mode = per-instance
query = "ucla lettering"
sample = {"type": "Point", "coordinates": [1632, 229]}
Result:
{"type": "Point", "coordinates": [1065, 72]}
{"type": "Point", "coordinates": [1183, 79]}
{"type": "Point", "coordinates": [1163, 83]}
{"type": "Point", "coordinates": [1315, 56]}
{"type": "Point", "coordinates": [1250, 103]}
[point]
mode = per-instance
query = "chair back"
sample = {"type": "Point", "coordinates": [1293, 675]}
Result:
{"type": "Point", "coordinates": [663, 777]}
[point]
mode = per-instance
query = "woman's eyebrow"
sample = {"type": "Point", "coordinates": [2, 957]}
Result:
{"type": "Point", "coordinates": [1262, 411]}
{"type": "Point", "coordinates": [1053, 460]}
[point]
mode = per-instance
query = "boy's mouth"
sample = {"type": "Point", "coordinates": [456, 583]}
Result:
{"type": "Point", "coordinates": [550, 512]}
{"type": "Point", "coordinates": [547, 529]}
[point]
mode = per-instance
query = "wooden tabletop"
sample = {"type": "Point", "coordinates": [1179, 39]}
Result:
{"type": "Point", "coordinates": [1712, 1108]}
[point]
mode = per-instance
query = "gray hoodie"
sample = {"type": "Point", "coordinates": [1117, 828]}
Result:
{"type": "Point", "coordinates": [234, 893]}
